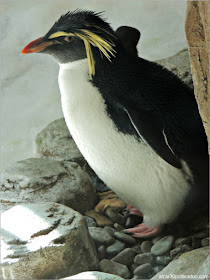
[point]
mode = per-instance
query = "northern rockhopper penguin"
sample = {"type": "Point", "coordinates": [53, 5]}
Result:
{"type": "Point", "coordinates": [136, 123]}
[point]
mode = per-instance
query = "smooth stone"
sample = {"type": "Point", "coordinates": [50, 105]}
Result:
{"type": "Point", "coordinates": [115, 203]}
{"type": "Point", "coordinates": [205, 242]}
{"type": "Point", "coordinates": [163, 260]}
{"type": "Point", "coordinates": [142, 269]}
{"type": "Point", "coordinates": [146, 246]}
{"type": "Point", "coordinates": [118, 227]}
{"type": "Point", "coordinates": [137, 248]}
{"type": "Point", "coordinates": [115, 248]}
{"type": "Point", "coordinates": [163, 245]}
{"type": "Point", "coordinates": [156, 239]}
{"type": "Point", "coordinates": [201, 234]}
{"type": "Point", "coordinates": [176, 252]}
{"type": "Point", "coordinates": [125, 257]}
{"type": "Point", "coordinates": [90, 221]}
{"type": "Point", "coordinates": [157, 268]}
{"type": "Point", "coordinates": [100, 236]}
{"type": "Point", "coordinates": [109, 266]}
{"type": "Point", "coordinates": [110, 230]}
{"type": "Point", "coordinates": [182, 241]}
{"type": "Point", "coordinates": [133, 266]}
{"type": "Point", "coordinates": [93, 275]}
{"type": "Point", "coordinates": [101, 220]}
{"type": "Point", "coordinates": [114, 216]}
{"type": "Point", "coordinates": [144, 258]}
{"type": "Point", "coordinates": [45, 241]}
{"type": "Point", "coordinates": [101, 252]}
{"type": "Point", "coordinates": [125, 238]}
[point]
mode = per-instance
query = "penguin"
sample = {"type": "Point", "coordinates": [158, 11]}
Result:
{"type": "Point", "coordinates": [135, 122]}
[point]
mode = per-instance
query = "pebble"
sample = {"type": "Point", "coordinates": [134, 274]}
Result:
{"type": "Point", "coordinates": [101, 220]}
{"type": "Point", "coordinates": [156, 239]}
{"type": "Point", "coordinates": [100, 236]}
{"type": "Point", "coordinates": [125, 257]}
{"type": "Point", "coordinates": [118, 227]}
{"type": "Point", "coordinates": [115, 248]}
{"type": "Point", "coordinates": [143, 269]}
{"type": "Point", "coordinates": [205, 242]}
{"type": "Point", "coordinates": [109, 266]}
{"type": "Point", "coordinates": [114, 216]}
{"type": "Point", "coordinates": [115, 203]}
{"type": "Point", "coordinates": [101, 252]}
{"type": "Point", "coordinates": [157, 268]}
{"type": "Point", "coordinates": [90, 222]}
{"type": "Point", "coordinates": [163, 245]}
{"type": "Point", "coordinates": [107, 195]}
{"type": "Point", "coordinates": [144, 258]}
{"type": "Point", "coordinates": [146, 246]}
{"type": "Point", "coordinates": [163, 260]}
{"type": "Point", "coordinates": [182, 241]}
{"type": "Point", "coordinates": [176, 252]}
{"type": "Point", "coordinates": [201, 234]}
{"type": "Point", "coordinates": [133, 266]}
{"type": "Point", "coordinates": [196, 243]}
{"type": "Point", "coordinates": [110, 230]}
{"type": "Point", "coordinates": [137, 248]}
{"type": "Point", "coordinates": [125, 238]}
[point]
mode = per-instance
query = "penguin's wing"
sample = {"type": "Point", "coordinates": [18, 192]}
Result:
{"type": "Point", "coordinates": [150, 129]}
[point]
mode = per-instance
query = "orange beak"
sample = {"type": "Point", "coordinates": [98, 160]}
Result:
{"type": "Point", "coordinates": [36, 46]}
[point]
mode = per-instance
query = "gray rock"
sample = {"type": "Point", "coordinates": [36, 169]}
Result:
{"type": "Point", "coordinates": [137, 248]}
{"type": "Point", "coordinates": [110, 230]}
{"type": "Point", "coordinates": [157, 268]}
{"type": "Point", "coordinates": [90, 221]}
{"type": "Point", "coordinates": [187, 264]}
{"type": "Point", "coordinates": [183, 240]}
{"type": "Point", "coordinates": [125, 238]}
{"type": "Point", "coordinates": [205, 242]}
{"type": "Point", "coordinates": [38, 180]}
{"type": "Point", "coordinates": [45, 241]}
{"type": "Point", "coordinates": [114, 216]}
{"type": "Point", "coordinates": [93, 275]}
{"type": "Point", "coordinates": [201, 234]}
{"type": "Point", "coordinates": [100, 236]}
{"type": "Point", "coordinates": [176, 252]}
{"type": "Point", "coordinates": [101, 252]}
{"type": "Point", "coordinates": [196, 243]}
{"type": "Point", "coordinates": [56, 142]}
{"type": "Point", "coordinates": [143, 269]}
{"type": "Point", "coordinates": [114, 268]}
{"type": "Point", "coordinates": [144, 258]}
{"type": "Point", "coordinates": [115, 248]}
{"type": "Point", "coordinates": [179, 64]}
{"type": "Point", "coordinates": [125, 257]}
{"type": "Point", "coordinates": [162, 246]}
{"type": "Point", "coordinates": [146, 246]}
{"type": "Point", "coordinates": [133, 266]}
{"type": "Point", "coordinates": [163, 260]}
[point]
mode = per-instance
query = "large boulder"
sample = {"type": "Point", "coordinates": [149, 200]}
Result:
{"type": "Point", "coordinates": [38, 180]}
{"type": "Point", "coordinates": [195, 262]}
{"type": "Point", "coordinates": [197, 34]}
{"type": "Point", "coordinates": [45, 241]}
{"type": "Point", "coordinates": [56, 142]}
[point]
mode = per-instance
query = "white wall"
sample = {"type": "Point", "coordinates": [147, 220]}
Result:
{"type": "Point", "coordinates": [30, 98]}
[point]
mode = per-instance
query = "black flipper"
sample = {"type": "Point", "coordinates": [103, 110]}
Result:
{"type": "Point", "coordinates": [149, 127]}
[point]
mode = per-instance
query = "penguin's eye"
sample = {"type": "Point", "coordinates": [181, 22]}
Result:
{"type": "Point", "coordinates": [68, 38]}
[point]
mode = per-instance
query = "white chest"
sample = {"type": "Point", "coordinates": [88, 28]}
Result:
{"type": "Point", "coordinates": [126, 165]}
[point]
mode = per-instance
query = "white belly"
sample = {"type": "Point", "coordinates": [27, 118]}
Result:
{"type": "Point", "coordinates": [129, 167]}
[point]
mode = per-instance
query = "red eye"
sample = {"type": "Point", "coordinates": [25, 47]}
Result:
{"type": "Point", "coordinates": [68, 39]}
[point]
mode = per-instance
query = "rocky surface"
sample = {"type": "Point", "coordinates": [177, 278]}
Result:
{"type": "Point", "coordinates": [45, 241]}
{"type": "Point", "coordinates": [39, 180]}
{"type": "Point", "coordinates": [197, 34]}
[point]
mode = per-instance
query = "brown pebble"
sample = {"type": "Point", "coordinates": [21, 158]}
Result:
{"type": "Point", "coordinates": [107, 195]}
{"type": "Point", "coordinates": [205, 242]}
{"type": "Point", "coordinates": [115, 203]}
{"type": "Point", "coordinates": [118, 227]}
{"type": "Point", "coordinates": [101, 220]}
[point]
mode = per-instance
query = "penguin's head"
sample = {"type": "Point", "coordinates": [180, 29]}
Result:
{"type": "Point", "coordinates": [75, 36]}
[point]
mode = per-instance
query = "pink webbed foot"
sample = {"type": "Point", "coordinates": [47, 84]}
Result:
{"type": "Point", "coordinates": [141, 231]}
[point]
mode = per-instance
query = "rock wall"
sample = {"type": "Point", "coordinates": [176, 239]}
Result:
{"type": "Point", "coordinates": [197, 34]}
